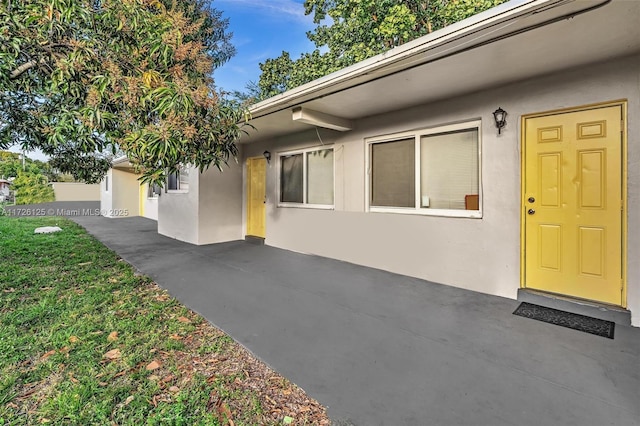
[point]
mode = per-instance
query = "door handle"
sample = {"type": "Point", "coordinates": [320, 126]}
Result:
{"type": "Point", "coordinates": [531, 211]}
{"type": "Point", "coordinates": [531, 200]}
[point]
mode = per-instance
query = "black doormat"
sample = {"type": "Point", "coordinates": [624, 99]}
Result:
{"type": "Point", "coordinates": [566, 319]}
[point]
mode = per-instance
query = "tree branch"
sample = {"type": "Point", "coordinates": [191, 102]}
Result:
{"type": "Point", "coordinates": [32, 63]}
{"type": "Point", "coordinates": [22, 69]}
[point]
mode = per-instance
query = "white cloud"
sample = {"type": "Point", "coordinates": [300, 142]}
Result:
{"type": "Point", "coordinates": [259, 56]}
{"type": "Point", "coordinates": [274, 8]}
{"type": "Point", "coordinates": [241, 41]}
{"type": "Point", "coordinates": [239, 70]}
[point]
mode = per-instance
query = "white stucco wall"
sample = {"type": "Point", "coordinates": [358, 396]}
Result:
{"type": "Point", "coordinates": [220, 206]}
{"type": "Point", "coordinates": [209, 212]}
{"type": "Point", "coordinates": [477, 254]}
{"type": "Point", "coordinates": [178, 212]}
{"type": "Point", "coordinates": [150, 205]}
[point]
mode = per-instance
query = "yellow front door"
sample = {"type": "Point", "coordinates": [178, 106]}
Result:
{"type": "Point", "coordinates": [142, 196]}
{"type": "Point", "coordinates": [573, 203]}
{"type": "Point", "coordinates": [256, 193]}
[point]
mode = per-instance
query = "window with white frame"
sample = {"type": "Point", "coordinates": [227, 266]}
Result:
{"type": "Point", "coordinates": [432, 171]}
{"type": "Point", "coordinates": [179, 181]}
{"type": "Point", "coordinates": [153, 190]}
{"type": "Point", "coordinates": [106, 183]}
{"type": "Point", "coordinates": [306, 178]}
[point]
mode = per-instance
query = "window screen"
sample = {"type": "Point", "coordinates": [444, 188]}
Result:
{"type": "Point", "coordinates": [172, 181]}
{"type": "Point", "coordinates": [393, 173]}
{"type": "Point", "coordinates": [320, 177]}
{"type": "Point", "coordinates": [291, 170]}
{"type": "Point", "coordinates": [179, 180]}
{"type": "Point", "coordinates": [153, 190]}
{"type": "Point", "coordinates": [184, 178]}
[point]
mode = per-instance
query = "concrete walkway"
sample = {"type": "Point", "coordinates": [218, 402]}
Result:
{"type": "Point", "coordinates": [383, 349]}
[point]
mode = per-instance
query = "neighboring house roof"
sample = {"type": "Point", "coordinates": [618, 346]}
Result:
{"type": "Point", "coordinates": [517, 40]}
{"type": "Point", "coordinates": [122, 163]}
{"type": "Point", "coordinates": [119, 160]}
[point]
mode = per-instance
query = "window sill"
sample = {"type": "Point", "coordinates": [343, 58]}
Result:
{"type": "Point", "coordinates": [306, 206]}
{"type": "Point", "coordinates": [469, 214]}
{"type": "Point", "coordinates": [177, 191]}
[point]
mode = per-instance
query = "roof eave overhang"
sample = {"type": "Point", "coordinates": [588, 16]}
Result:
{"type": "Point", "coordinates": [445, 42]}
{"type": "Point", "coordinates": [123, 164]}
{"type": "Point", "coordinates": [517, 40]}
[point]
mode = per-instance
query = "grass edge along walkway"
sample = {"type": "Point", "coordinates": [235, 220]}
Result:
{"type": "Point", "coordinates": [86, 340]}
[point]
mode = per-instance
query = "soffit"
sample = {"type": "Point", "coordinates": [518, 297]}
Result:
{"type": "Point", "coordinates": [124, 166]}
{"type": "Point", "coordinates": [608, 32]}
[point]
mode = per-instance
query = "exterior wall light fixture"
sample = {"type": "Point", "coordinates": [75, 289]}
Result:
{"type": "Point", "coordinates": [500, 116]}
{"type": "Point", "coordinates": [267, 156]}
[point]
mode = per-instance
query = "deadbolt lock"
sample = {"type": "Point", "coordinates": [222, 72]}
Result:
{"type": "Point", "coordinates": [531, 200]}
{"type": "Point", "coordinates": [531, 211]}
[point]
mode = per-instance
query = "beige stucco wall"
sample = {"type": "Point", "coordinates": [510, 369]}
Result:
{"type": "Point", "coordinates": [476, 254]}
{"type": "Point", "coordinates": [106, 193]}
{"type": "Point", "coordinates": [75, 191]}
{"type": "Point", "coordinates": [124, 188]}
{"type": "Point", "coordinates": [119, 201]}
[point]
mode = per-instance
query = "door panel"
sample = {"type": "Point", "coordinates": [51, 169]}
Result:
{"type": "Point", "coordinates": [572, 201]}
{"type": "Point", "coordinates": [142, 196]}
{"type": "Point", "coordinates": [256, 192]}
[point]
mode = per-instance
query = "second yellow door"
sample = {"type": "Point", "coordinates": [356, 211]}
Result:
{"type": "Point", "coordinates": [256, 197]}
{"type": "Point", "coordinates": [142, 197]}
{"type": "Point", "coordinates": [573, 203]}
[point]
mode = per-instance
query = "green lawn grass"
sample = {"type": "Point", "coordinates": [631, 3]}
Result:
{"type": "Point", "coordinates": [85, 340]}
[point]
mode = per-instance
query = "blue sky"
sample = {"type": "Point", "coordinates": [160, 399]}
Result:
{"type": "Point", "coordinates": [261, 29]}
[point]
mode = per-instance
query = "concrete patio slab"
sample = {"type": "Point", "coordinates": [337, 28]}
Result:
{"type": "Point", "coordinates": [383, 349]}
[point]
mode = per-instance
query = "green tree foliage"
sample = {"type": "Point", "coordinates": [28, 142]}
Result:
{"type": "Point", "coordinates": [349, 31]}
{"type": "Point", "coordinates": [11, 165]}
{"type": "Point", "coordinates": [249, 96]}
{"type": "Point", "coordinates": [32, 188]}
{"type": "Point", "coordinates": [80, 79]}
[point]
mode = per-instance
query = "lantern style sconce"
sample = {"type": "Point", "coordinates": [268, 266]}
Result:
{"type": "Point", "coordinates": [267, 156]}
{"type": "Point", "coordinates": [500, 116]}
